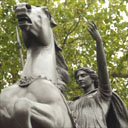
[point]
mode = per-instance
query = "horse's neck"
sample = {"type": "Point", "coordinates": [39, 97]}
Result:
{"type": "Point", "coordinates": [41, 60]}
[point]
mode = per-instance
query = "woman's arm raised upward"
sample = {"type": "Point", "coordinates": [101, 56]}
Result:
{"type": "Point", "coordinates": [101, 57]}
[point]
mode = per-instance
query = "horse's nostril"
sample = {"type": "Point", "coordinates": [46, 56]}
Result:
{"type": "Point", "coordinates": [28, 6]}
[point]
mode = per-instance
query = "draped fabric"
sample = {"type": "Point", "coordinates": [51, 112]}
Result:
{"type": "Point", "coordinates": [90, 110]}
{"type": "Point", "coordinates": [118, 114]}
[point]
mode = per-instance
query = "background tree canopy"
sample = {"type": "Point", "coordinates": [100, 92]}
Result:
{"type": "Point", "coordinates": [78, 47]}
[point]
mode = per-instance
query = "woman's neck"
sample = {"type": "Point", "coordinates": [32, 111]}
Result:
{"type": "Point", "coordinates": [89, 89]}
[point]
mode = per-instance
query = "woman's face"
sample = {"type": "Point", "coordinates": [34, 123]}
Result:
{"type": "Point", "coordinates": [83, 79]}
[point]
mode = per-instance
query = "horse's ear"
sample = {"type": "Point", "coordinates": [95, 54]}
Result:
{"type": "Point", "coordinates": [53, 23]}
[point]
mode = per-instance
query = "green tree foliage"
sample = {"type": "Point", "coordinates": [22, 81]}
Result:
{"type": "Point", "coordinates": [78, 47]}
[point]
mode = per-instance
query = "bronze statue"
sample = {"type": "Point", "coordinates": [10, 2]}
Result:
{"type": "Point", "coordinates": [99, 107]}
{"type": "Point", "coordinates": [35, 100]}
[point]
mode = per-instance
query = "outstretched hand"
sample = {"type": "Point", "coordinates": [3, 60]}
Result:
{"type": "Point", "coordinates": [92, 28]}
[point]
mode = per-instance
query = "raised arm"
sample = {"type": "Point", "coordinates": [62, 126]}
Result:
{"type": "Point", "coordinates": [101, 57]}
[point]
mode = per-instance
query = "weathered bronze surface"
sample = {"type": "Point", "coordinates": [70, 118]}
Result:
{"type": "Point", "coordinates": [35, 101]}
{"type": "Point", "coordinates": [99, 107]}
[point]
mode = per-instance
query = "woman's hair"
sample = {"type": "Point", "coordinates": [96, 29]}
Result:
{"type": "Point", "coordinates": [91, 73]}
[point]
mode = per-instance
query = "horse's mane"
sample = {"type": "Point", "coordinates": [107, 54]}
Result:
{"type": "Point", "coordinates": [62, 69]}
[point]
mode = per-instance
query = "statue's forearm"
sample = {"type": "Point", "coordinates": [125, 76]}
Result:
{"type": "Point", "coordinates": [102, 65]}
{"type": "Point", "coordinates": [101, 57]}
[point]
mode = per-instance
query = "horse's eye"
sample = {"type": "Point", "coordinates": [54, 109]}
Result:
{"type": "Point", "coordinates": [47, 13]}
{"type": "Point", "coordinates": [28, 6]}
{"type": "Point", "coordinates": [15, 7]}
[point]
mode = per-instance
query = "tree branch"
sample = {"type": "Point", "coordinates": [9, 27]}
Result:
{"type": "Point", "coordinates": [121, 75]}
{"type": "Point", "coordinates": [71, 30]}
{"type": "Point", "coordinates": [78, 38]}
{"type": "Point", "coordinates": [19, 48]}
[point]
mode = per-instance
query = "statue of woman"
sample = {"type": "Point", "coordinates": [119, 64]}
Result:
{"type": "Point", "coordinates": [99, 107]}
